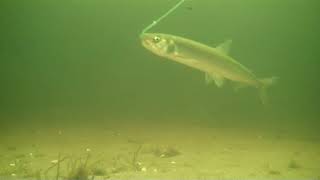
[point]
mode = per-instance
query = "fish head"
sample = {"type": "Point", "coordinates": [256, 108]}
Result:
{"type": "Point", "coordinates": [160, 44]}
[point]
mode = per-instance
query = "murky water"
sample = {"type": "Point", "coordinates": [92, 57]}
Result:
{"type": "Point", "coordinates": [81, 96]}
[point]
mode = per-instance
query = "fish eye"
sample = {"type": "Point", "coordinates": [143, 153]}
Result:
{"type": "Point", "coordinates": [156, 39]}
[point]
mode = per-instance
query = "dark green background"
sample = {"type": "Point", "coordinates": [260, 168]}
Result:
{"type": "Point", "coordinates": [83, 61]}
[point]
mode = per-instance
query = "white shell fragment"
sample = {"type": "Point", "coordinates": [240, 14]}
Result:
{"type": "Point", "coordinates": [143, 169]}
{"type": "Point", "coordinates": [55, 161]}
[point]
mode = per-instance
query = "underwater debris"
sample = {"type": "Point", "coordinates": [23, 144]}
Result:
{"type": "Point", "coordinates": [76, 168]}
{"type": "Point", "coordinates": [34, 174]}
{"type": "Point", "coordinates": [98, 171]}
{"type": "Point", "coordinates": [79, 169]}
{"type": "Point", "coordinates": [166, 152]}
{"type": "Point", "coordinates": [274, 172]}
{"type": "Point", "coordinates": [79, 173]}
{"type": "Point", "coordinates": [135, 164]}
{"type": "Point", "coordinates": [116, 170]}
{"type": "Point", "coordinates": [134, 141]}
{"type": "Point", "coordinates": [120, 163]}
{"type": "Point", "coordinates": [127, 162]}
{"type": "Point", "coordinates": [144, 169]}
{"type": "Point", "coordinates": [271, 170]}
{"type": "Point", "coordinates": [173, 162]}
{"type": "Point", "coordinates": [62, 168]}
{"type": "Point", "coordinates": [294, 165]}
{"type": "Point", "coordinates": [56, 162]}
{"type": "Point", "coordinates": [19, 168]}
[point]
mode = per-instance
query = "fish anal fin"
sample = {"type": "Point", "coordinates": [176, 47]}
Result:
{"type": "Point", "coordinates": [208, 78]}
{"type": "Point", "coordinates": [266, 83]}
{"type": "Point", "coordinates": [225, 46]}
{"type": "Point", "coordinates": [219, 80]}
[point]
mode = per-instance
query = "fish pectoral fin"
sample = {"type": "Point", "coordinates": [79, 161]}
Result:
{"type": "Point", "coordinates": [225, 46]}
{"type": "Point", "coordinates": [208, 78]}
{"type": "Point", "coordinates": [172, 48]}
{"type": "Point", "coordinates": [239, 85]}
{"type": "Point", "coordinates": [218, 80]}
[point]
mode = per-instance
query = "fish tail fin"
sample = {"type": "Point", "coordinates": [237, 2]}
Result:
{"type": "Point", "coordinates": [265, 84]}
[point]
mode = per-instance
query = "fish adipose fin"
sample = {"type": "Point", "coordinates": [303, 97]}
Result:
{"type": "Point", "coordinates": [265, 83]}
{"type": "Point", "coordinates": [225, 46]}
{"type": "Point", "coordinates": [219, 80]}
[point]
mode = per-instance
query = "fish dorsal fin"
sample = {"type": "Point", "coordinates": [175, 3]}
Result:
{"type": "Point", "coordinates": [225, 46]}
{"type": "Point", "coordinates": [218, 80]}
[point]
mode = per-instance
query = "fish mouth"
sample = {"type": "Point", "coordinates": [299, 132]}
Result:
{"type": "Point", "coordinates": [146, 40]}
{"type": "Point", "coordinates": [146, 44]}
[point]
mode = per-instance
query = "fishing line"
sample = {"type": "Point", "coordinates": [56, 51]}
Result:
{"type": "Point", "coordinates": [162, 17]}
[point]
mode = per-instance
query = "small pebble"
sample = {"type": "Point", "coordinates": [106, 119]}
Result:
{"type": "Point", "coordinates": [54, 161]}
{"type": "Point", "coordinates": [143, 169]}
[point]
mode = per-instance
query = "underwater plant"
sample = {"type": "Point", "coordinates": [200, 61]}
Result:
{"type": "Point", "coordinates": [127, 162]}
{"type": "Point", "coordinates": [80, 172]}
{"type": "Point", "coordinates": [20, 167]}
{"type": "Point", "coordinates": [135, 164]}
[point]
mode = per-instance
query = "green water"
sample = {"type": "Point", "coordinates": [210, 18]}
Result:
{"type": "Point", "coordinates": [78, 64]}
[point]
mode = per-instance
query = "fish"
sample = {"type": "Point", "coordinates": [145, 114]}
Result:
{"type": "Point", "coordinates": [215, 62]}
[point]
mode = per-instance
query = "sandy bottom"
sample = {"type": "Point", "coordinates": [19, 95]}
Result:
{"type": "Point", "coordinates": [166, 151]}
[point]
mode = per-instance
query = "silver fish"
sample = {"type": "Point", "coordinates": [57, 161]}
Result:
{"type": "Point", "coordinates": [214, 62]}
